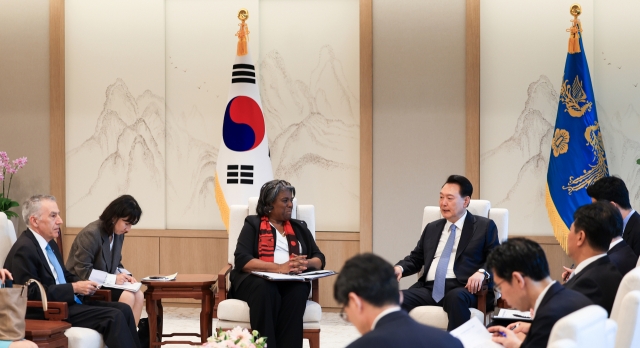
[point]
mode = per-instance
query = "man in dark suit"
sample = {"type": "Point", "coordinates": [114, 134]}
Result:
{"type": "Point", "coordinates": [614, 190]}
{"type": "Point", "coordinates": [453, 252]}
{"type": "Point", "coordinates": [35, 255]}
{"type": "Point", "coordinates": [588, 240]}
{"type": "Point", "coordinates": [521, 274]}
{"type": "Point", "coordinates": [368, 291]}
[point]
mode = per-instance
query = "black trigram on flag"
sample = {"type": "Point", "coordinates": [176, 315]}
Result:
{"type": "Point", "coordinates": [243, 73]}
{"type": "Point", "coordinates": [239, 174]}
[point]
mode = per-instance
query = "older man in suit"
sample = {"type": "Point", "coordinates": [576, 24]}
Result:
{"type": "Point", "coordinates": [595, 275]}
{"type": "Point", "coordinates": [35, 255]}
{"type": "Point", "coordinates": [453, 252]}
{"type": "Point", "coordinates": [368, 290]}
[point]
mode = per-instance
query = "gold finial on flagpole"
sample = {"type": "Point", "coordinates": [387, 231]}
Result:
{"type": "Point", "coordinates": [243, 33]}
{"type": "Point", "coordinates": [576, 28]}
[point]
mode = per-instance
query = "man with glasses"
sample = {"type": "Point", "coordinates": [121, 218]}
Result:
{"type": "Point", "coordinates": [521, 274]}
{"type": "Point", "coordinates": [368, 291]}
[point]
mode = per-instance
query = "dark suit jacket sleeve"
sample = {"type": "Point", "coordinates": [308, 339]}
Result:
{"type": "Point", "coordinates": [491, 241]}
{"type": "Point", "coordinates": [245, 245]}
{"type": "Point", "coordinates": [26, 264]}
{"type": "Point", "coordinates": [588, 287]}
{"type": "Point", "coordinates": [413, 262]}
{"type": "Point", "coordinates": [631, 233]}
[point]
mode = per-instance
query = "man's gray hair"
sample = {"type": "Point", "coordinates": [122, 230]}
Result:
{"type": "Point", "coordinates": [31, 207]}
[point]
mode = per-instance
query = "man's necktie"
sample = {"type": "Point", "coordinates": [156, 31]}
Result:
{"type": "Point", "coordinates": [56, 265]}
{"type": "Point", "coordinates": [443, 264]}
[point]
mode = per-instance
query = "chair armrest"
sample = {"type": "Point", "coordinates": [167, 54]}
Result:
{"type": "Point", "coordinates": [315, 291]}
{"type": "Point", "coordinates": [221, 285]}
{"type": "Point", "coordinates": [101, 295]}
{"type": "Point", "coordinates": [56, 310]}
{"type": "Point", "coordinates": [482, 297]}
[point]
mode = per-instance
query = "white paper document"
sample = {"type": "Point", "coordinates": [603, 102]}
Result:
{"type": "Point", "coordinates": [513, 314]}
{"type": "Point", "coordinates": [161, 278]}
{"type": "Point", "coordinates": [133, 287]}
{"type": "Point", "coordinates": [473, 334]}
{"type": "Point", "coordinates": [302, 277]}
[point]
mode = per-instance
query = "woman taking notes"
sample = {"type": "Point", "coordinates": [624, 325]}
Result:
{"type": "Point", "coordinates": [273, 242]}
{"type": "Point", "coordinates": [96, 253]}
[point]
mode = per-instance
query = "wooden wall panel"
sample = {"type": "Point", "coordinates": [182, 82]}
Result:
{"type": "Point", "coordinates": [336, 253]}
{"type": "Point", "coordinates": [192, 255]}
{"type": "Point", "coordinates": [472, 95]}
{"type": "Point", "coordinates": [366, 125]}
{"type": "Point", "coordinates": [556, 257]}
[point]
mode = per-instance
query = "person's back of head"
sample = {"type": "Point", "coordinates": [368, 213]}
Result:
{"type": "Point", "coordinates": [519, 255]}
{"type": "Point", "coordinates": [371, 278]}
{"type": "Point", "coordinates": [612, 189]}
{"type": "Point", "coordinates": [600, 221]}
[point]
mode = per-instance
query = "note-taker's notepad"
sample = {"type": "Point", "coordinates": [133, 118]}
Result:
{"type": "Point", "coordinates": [302, 277]}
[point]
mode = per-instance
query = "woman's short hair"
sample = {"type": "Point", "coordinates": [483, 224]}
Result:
{"type": "Point", "coordinates": [268, 194]}
{"type": "Point", "coordinates": [124, 207]}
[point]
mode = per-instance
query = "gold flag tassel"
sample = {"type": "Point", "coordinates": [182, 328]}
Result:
{"type": "Point", "coordinates": [575, 30]}
{"type": "Point", "coordinates": [243, 33]}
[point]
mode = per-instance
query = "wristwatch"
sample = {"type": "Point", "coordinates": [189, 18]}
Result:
{"type": "Point", "coordinates": [486, 274]}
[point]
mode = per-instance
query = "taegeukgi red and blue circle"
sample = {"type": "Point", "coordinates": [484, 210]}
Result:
{"type": "Point", "coordinates": [243, 127]}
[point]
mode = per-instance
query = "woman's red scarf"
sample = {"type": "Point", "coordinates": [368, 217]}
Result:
{"type": "Point", "coordinates": [267, 243]}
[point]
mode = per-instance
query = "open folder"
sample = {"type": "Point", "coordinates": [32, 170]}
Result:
{"type": "Point", "coordinates": [302, 277]}
{"type": "Point", "coordinates": [133, 287]}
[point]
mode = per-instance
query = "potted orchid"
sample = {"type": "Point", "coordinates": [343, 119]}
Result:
{"type": "Point", "coordinates": [8, 168]}
{"type": "Point", "coordinates": [236, 338]}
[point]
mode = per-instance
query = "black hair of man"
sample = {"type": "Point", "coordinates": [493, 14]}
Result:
{"type": "Point", "coordinates": [519, 255]}
{"type": "Point", "coordinates": [600, 221]}
{"type": "Point", "coordinates": [371, 278]}
{"type": "Point", "coordinates": [612, 189]}
{"type": "Point", "coordinates": [124, 207]}
{"type": "Point", "coordinates": [466, 188]}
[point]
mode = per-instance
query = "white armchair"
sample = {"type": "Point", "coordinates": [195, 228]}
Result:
{"type": "Point", "coordinates": [79, 337]}
{"type": "Point", "coordinates": [584, 328]}
{"type": "Point", "coordinates": [434, 315]}
{"type": "Point", "coordinates": [626, 310]}
{"type": "Point", "coordinates": [232, 312]}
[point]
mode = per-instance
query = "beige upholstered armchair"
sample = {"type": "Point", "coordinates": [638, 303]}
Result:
{"type": "Point", "coordinates": [232, 312]}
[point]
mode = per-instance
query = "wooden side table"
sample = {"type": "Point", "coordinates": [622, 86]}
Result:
{"type": "Point", "coordinates": [196, 286]}
{"type": "Point", "coordinates": [46, 333]}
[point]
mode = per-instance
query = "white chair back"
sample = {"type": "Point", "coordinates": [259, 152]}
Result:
{"type": "Point", "coordinates": [629, 321]}
{"type": "Point", "coordinates": [7, 237]}
{"type": "Point", "coordinates": [626, 310]}
{"type": "Point", "coordinates": [478, 207]}
{"type": "Point", "coordinates": [630, 282]}
{"type": "Point", "coordinates": [586, 327]}
{"type": "Point", "coordinates": [638, 264]}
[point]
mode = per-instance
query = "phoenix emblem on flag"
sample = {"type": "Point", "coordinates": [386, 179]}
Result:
{"type": "Point", "coordinates": [594, 137]}
{"type": "Point", "coordinates": [574, 98]}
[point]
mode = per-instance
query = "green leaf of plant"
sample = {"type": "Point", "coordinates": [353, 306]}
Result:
{"type": "Point", "coordinates": [10, 214]}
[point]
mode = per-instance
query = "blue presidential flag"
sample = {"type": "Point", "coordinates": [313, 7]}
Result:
{"type": "Point", "coordinates": [577, 157]}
